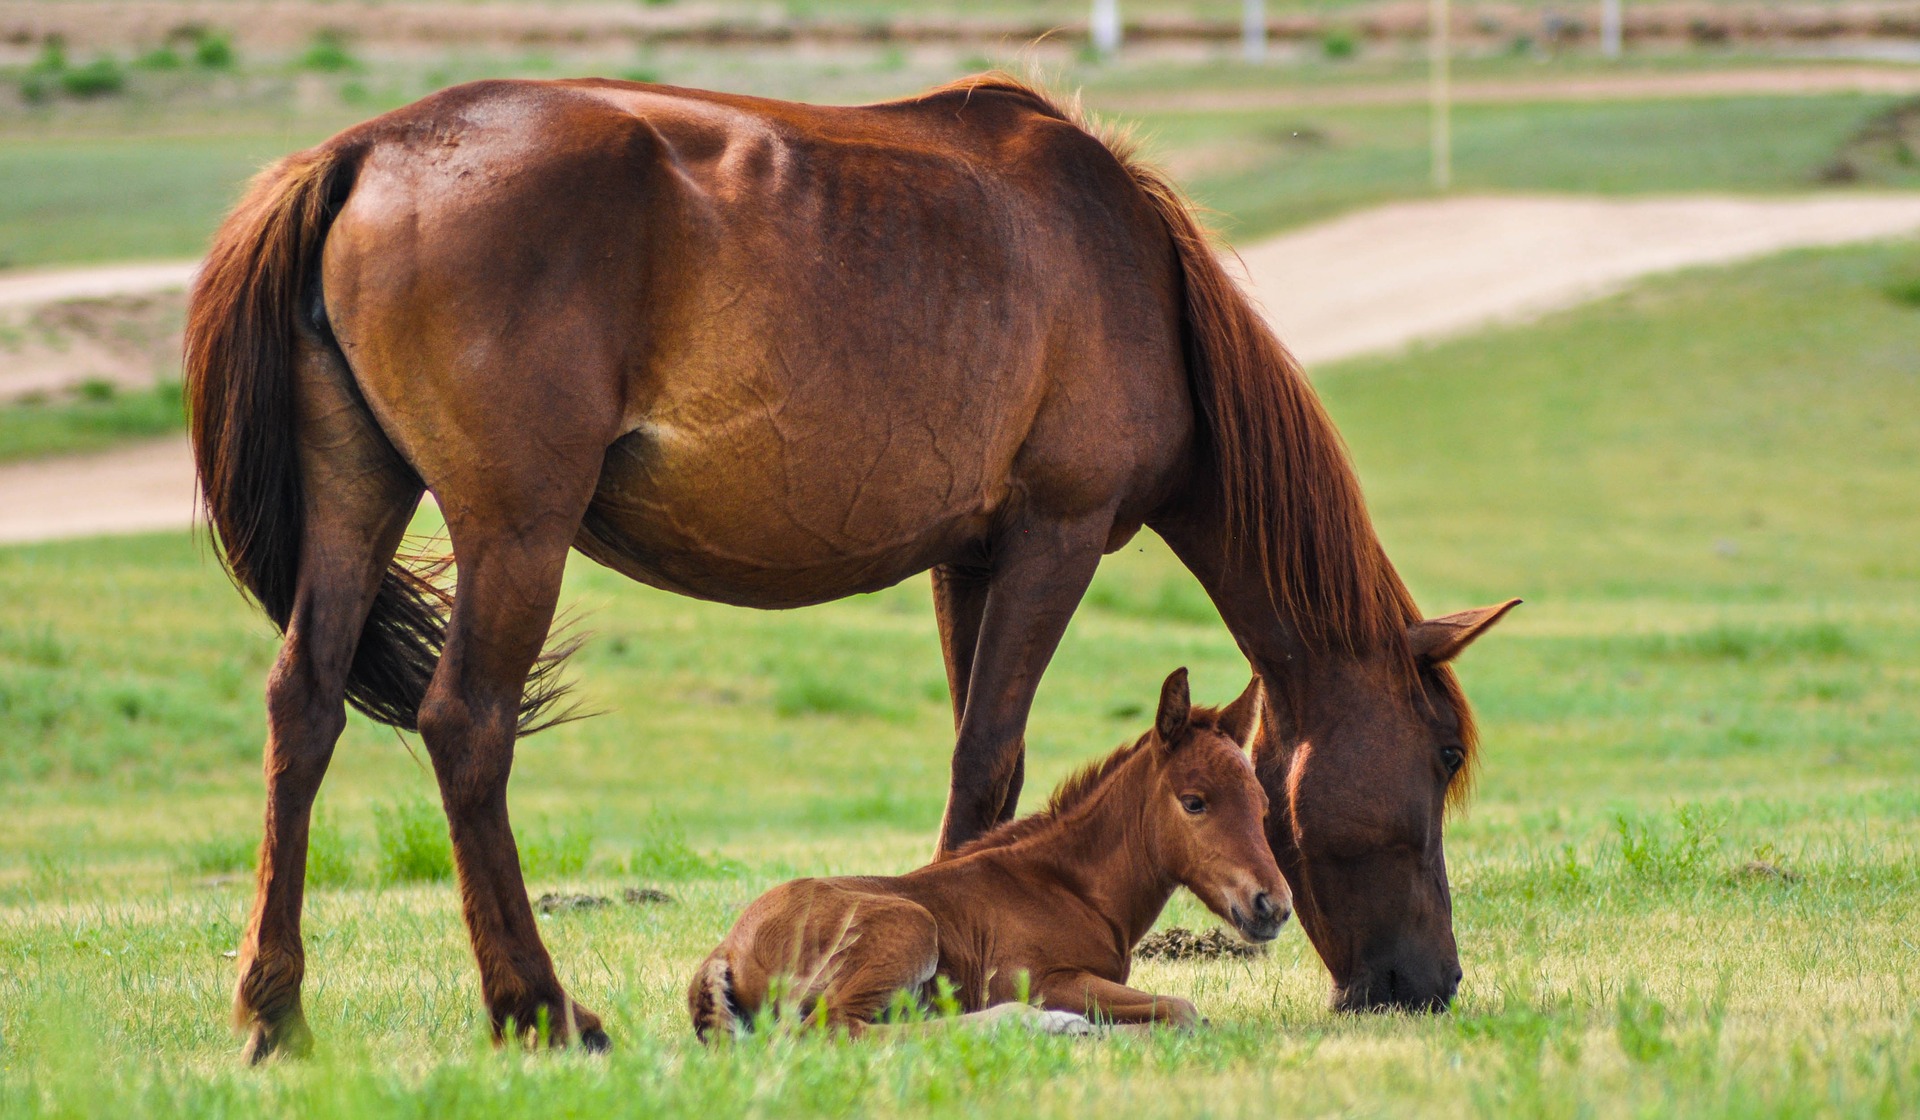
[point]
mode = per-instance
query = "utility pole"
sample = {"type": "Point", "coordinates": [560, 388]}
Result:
{"type": "Point", "coordinates": [1610, 28]}
{"type": "Point", "coordinates": [1440, 58]}
{"type": "Point", "coordinates": [1253, 30]}
{"type": "Point", "coordinates": [1104, 28]}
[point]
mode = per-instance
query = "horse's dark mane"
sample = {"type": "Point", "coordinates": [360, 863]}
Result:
{"type": "Point", "coordinates": [1292, 502]}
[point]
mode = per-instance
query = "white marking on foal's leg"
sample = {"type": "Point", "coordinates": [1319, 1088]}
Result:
{"type": "Point", "coordinates": [1028, 1017]}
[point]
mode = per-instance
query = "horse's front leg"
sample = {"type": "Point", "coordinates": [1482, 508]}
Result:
{"type": "Point", "coordinates": [1040, 569]}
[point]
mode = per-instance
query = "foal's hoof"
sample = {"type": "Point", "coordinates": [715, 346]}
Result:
{"type": "Point", "coordinates": [286, 1037]}
{"type": "Point", "coordinates": [1063, 1022]}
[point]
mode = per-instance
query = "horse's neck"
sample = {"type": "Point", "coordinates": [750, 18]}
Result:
{"type": "Point", "coordinates": [1104, 854]}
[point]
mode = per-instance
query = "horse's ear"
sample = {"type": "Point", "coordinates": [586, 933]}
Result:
{"type": "Point", "coordinates": [1436, 640]}
{"type": "Point", "coordinates": [1240, 720]}
{"type": "Point", "coordinates": [1176, 708]}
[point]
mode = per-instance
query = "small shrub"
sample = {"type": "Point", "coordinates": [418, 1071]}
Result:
{"type": "Point", "coordinates": [1905, 290]}
{"type": "Point", "coordinates": [99, 78]}
{"type": "Point", "coordinates": [1339, 43]}
{"type": "Point", "coordinates": [413, 841]}
{"type": "Point", "coordinates": [97, 389]}
{"type": "Point", "coordinates": [328, 53]}
{"type": "Point", "coordinates": [1648, 850]}
{"type": "Point", "coordinates": [212, 50]}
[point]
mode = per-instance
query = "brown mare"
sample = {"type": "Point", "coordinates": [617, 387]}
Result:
{"type": "Point", "coordinates": [775, 354]}
{"type": "Point", "coordinates": [1060, 898]}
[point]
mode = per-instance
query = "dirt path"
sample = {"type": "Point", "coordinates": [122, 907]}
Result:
{"type": "Point", "coordinates": [1361, 284]}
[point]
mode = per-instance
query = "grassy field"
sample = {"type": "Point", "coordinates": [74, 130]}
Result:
{"type": "Point", "coordinates": [1688, 883]}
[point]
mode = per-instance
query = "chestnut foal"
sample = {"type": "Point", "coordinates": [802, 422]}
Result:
{"type": "Point", "coordinates": [1060, 897]}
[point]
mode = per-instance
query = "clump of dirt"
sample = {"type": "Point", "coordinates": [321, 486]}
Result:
{"type": "Point", "coordinates": [555, 903]}
{"type": "Point", "coordinates": [1885, 149]}
{"type": "Point", "coordinates": [551, 903]}
{"type": "Point", "coordinates": [1182, 944]}
{"type": "Point", "coordinates": [1763, 871]}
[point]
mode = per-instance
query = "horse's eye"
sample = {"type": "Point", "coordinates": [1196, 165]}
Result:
{"type": "Point", "coordinates": [1193, 803]}
{"type": "Point", "coordinates": [1454, 758]}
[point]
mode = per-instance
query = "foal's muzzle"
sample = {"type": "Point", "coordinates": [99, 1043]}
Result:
{"type": "Point", "coordinates": [1261, 917]}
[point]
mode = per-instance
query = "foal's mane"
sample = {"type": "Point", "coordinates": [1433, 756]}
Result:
{"type": "Point", "coordinates": [1293, 506]}
{"type": "Point", "coordinates": [1075, 790]}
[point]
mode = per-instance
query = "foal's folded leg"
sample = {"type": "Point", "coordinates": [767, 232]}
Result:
{"type": "Point", "coordinates": [1086, 994]}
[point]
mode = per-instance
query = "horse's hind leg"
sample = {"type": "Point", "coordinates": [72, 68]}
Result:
{"type": "Point", "coordinates": [358, 501]}
{"type": "Point", "coordinates": [509, 573]}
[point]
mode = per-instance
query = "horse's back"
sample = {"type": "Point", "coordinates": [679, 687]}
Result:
{"type": "Point", "coordinates": [827, 345]}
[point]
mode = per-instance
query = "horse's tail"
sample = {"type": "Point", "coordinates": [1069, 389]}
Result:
{"type": "Point", "coordinates": [1292, 502]}
{"type": "Point", "coordinates": [711, 1002]}
{"type": "Point", "coordinates": [254, 303]}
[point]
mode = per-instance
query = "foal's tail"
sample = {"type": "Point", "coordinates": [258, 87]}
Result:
{"type": "Point", "coordinates": [255, 302]}
{"type": "Point", "coordinates": [711, 1002]}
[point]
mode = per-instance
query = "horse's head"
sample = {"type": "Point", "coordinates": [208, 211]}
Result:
{"type": "Point", "coordinates": [1363, 764]}
{"type": "Point", "coordinates": [1207, 812]}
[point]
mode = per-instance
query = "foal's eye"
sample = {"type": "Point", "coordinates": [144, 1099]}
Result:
{"type": "Point", "coordinates": [1193, 803]}
{"type": "Point", "coordinates": [1454, 758]}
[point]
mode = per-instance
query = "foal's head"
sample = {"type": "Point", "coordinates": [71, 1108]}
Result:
{"type": "Point", "coordinates": [1206, 812]}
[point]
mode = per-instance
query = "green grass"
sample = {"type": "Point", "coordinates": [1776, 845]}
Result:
{"type": "Point", "coordinates": [1687, 885]}
{"type": "Point", "coordinates": [97, 420]}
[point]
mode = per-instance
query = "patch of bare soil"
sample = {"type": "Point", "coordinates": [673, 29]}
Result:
{"type": "Point", "coordinates": [82, 346]}
{"type": "Point", "coordinates": [1182, 944]}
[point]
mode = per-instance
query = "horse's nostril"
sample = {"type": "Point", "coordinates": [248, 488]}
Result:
{"type": "Point", "coordinates": [1263, 907]}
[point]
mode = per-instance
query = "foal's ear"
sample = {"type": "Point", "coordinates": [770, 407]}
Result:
{"type": "Point", "coordinates": [1441, 639]}
{"type": "Point", "coordinates": [1240, 720]}
{"type": "Point", "coordinates": [1176, 707]}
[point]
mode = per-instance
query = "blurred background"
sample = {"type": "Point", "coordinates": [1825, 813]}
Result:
{"type": "Point", "coordinates": [1617, 305]}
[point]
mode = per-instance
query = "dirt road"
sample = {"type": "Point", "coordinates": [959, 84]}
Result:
{"type": "Point", "coordinates": [1360, 284]}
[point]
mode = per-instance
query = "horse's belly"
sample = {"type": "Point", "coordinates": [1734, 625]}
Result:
{"type": "Point", "coordinates": [775, 524]}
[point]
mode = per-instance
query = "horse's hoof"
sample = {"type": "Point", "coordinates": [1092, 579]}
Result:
{"type": "Point", "coordinates": [595, 1041]}
{"type": "Point", "coordinates": [288, 1038]}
